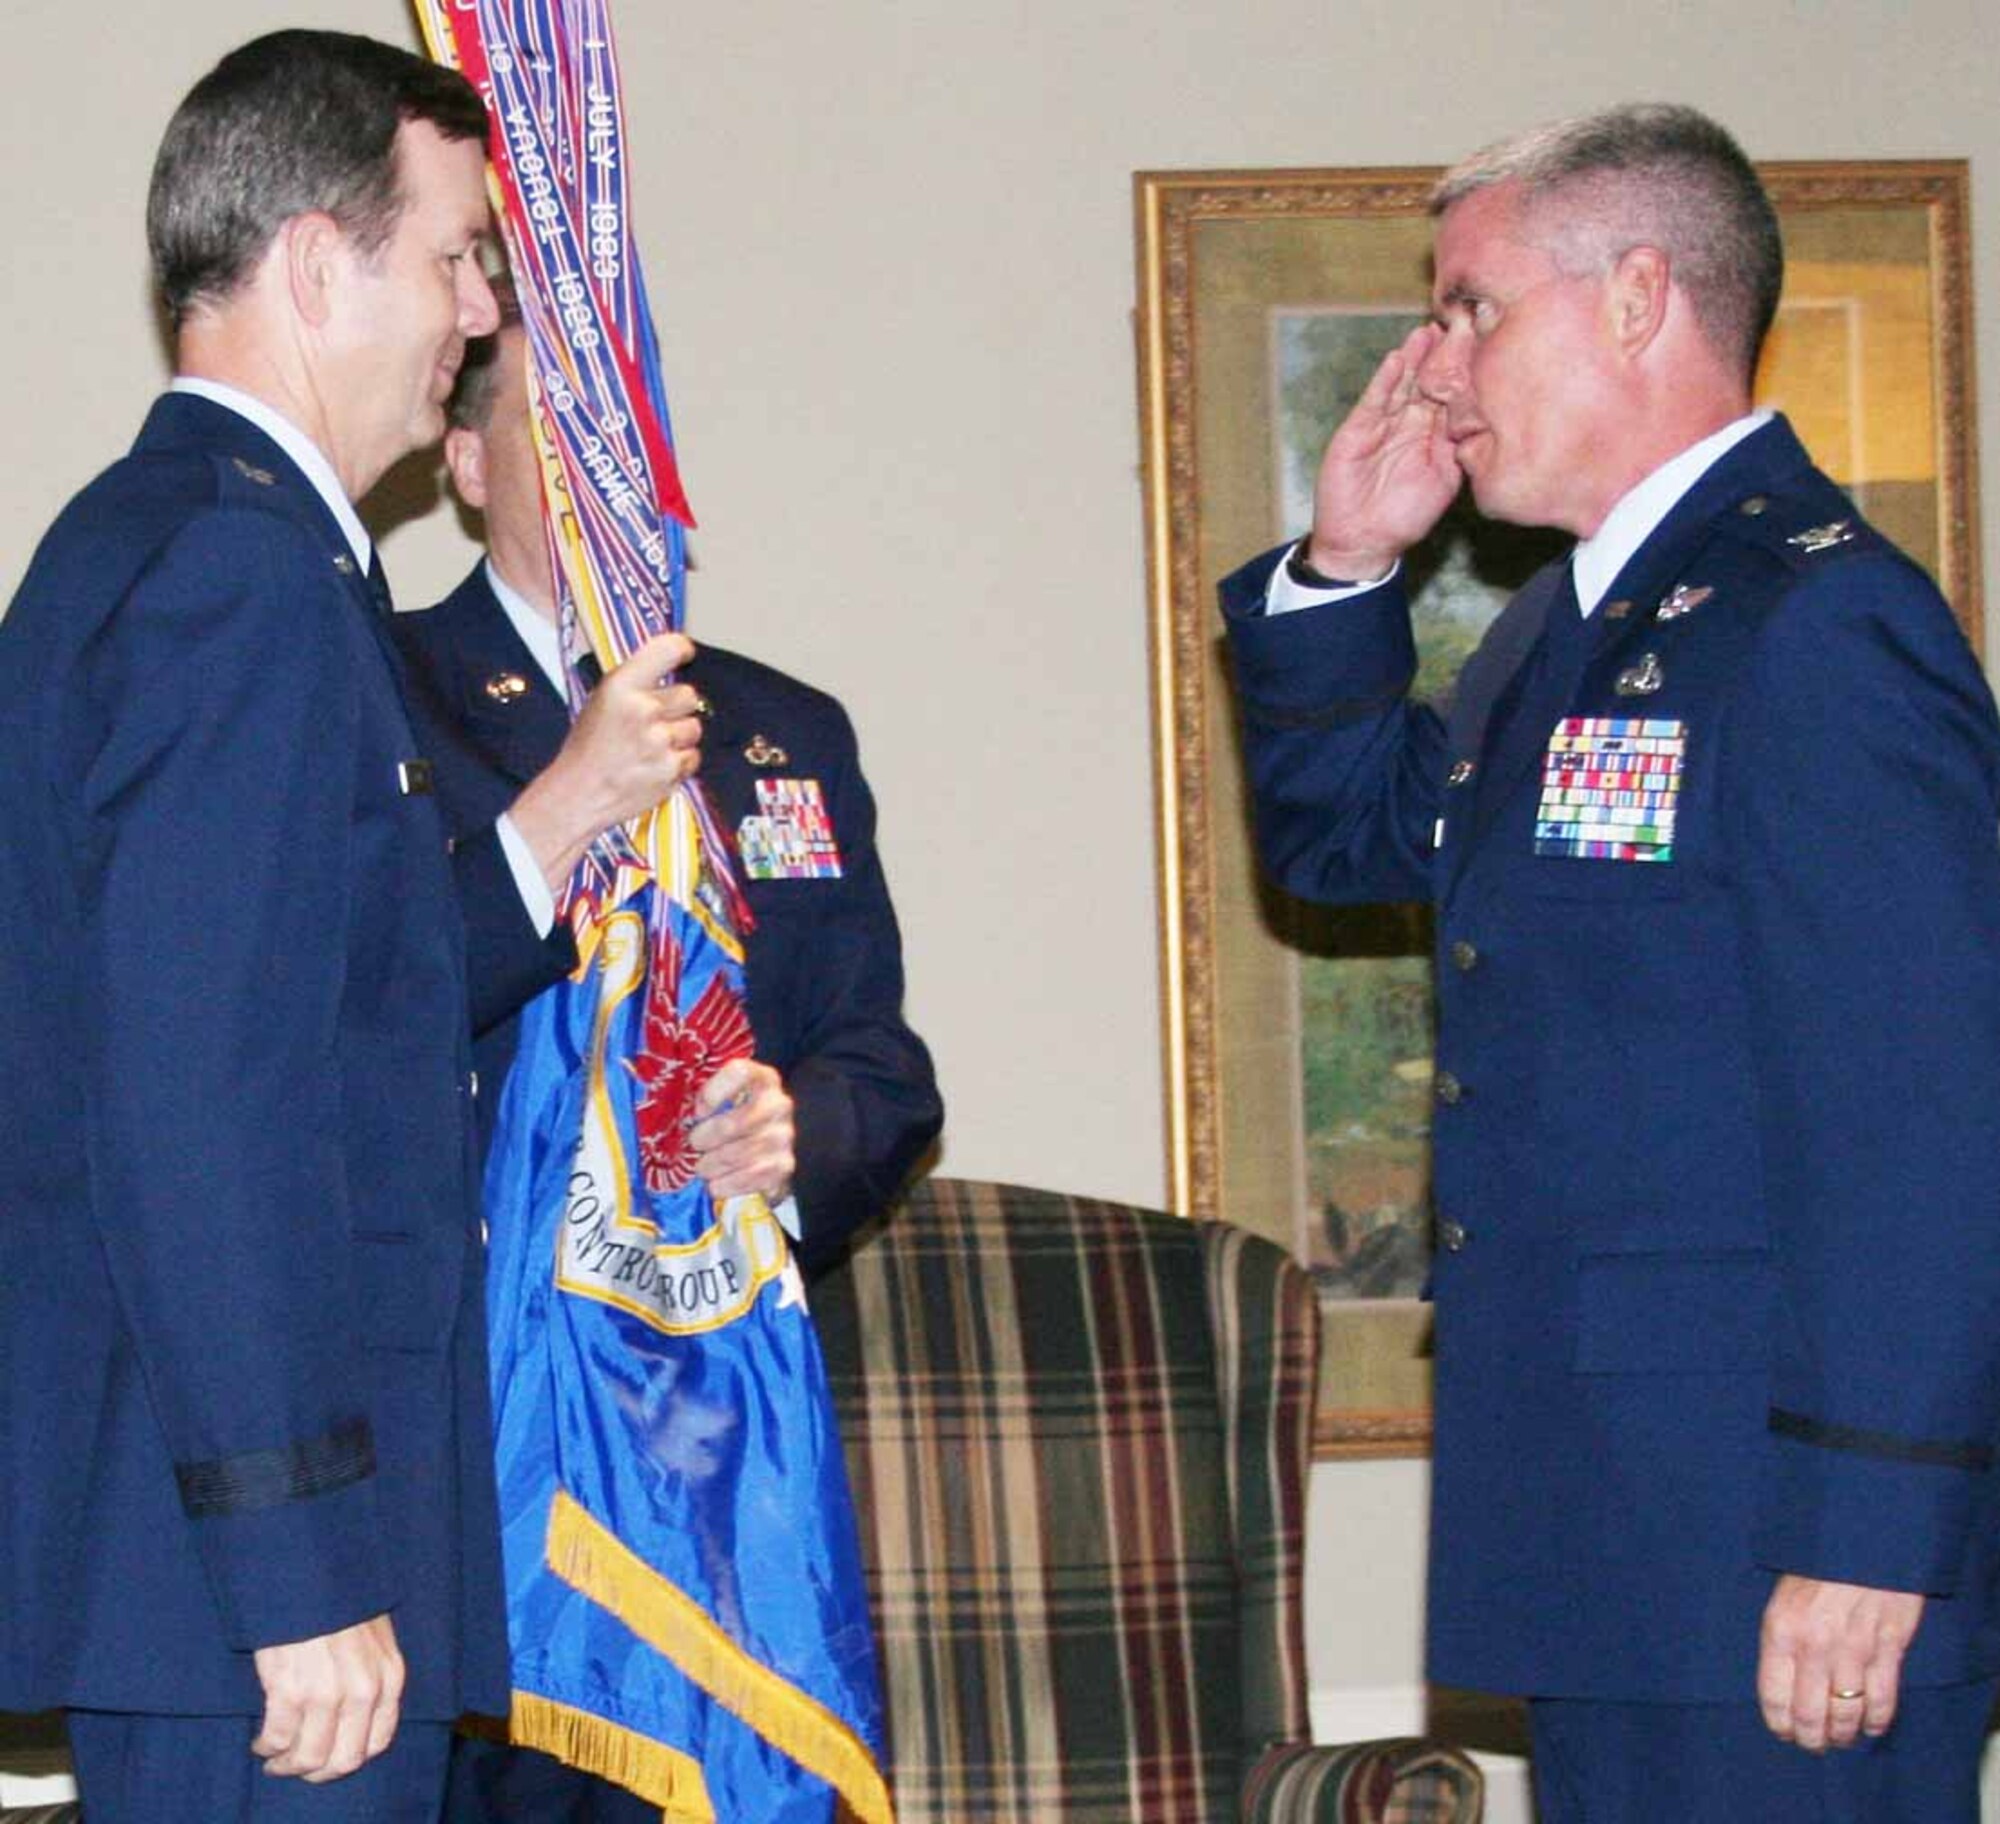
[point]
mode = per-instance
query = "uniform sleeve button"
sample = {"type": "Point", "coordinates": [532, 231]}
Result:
{"type": "Point", "coordinates": [1451, 1237]}
{"type": "Point", "coordinates": [1448, 1089]}
{"type": "Point", "coordinates": [1464, 956]}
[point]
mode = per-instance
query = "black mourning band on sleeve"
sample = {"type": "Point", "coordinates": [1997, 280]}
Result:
{"type": "Point", "coordinates": [1804, 1430]}
{"type": "Point", "coordinates": [267, 1478]}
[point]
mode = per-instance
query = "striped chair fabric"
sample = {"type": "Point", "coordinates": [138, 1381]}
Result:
{"type": "Point", "coordinates": [1079, 1436]}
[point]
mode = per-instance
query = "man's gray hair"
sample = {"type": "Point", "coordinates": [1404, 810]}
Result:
{"type": "Point", "coordinates": [1647, 174]}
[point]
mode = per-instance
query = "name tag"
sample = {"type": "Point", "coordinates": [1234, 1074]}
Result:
{"type": "Point", "coordinates": [414, 776]}
{"type": "Point", "coordinates": [1611, 789]}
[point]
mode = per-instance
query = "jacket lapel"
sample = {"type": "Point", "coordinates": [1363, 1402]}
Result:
{"type": "Point", "coordinates": [504, 699]}
{"type": "Point", "coordinates": [725, 773]}
{"type": "Point", "coordinates": [188, 421]}
{"type": "Point", "coordinates": [1488, 691]}
{"type": "Point", "coordinates": [1767, 459]}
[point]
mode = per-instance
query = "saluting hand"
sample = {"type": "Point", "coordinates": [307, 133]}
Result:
{"type": "Point", "coordinates": [1388, 473]}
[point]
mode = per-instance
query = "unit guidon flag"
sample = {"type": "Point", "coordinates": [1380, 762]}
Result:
{"type": "Point", "coordinates": [684, 1587]}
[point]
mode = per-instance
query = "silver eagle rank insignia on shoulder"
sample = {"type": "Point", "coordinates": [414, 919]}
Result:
{"type": "Point", "coordinates": [1682, 598]}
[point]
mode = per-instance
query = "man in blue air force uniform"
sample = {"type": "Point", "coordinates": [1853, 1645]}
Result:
{"type": "Point", "coordinates": [840, 1099]}
{"type": "Point", "coordinates": [1710, 829]}
{"type": "Point", "coordinates": [249, 1525]}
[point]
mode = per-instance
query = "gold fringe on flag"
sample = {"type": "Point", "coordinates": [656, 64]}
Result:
{"type": "Point", "coordinates": [657, 1773]}
{"type": "Point", "coordinates": [591, 1559]}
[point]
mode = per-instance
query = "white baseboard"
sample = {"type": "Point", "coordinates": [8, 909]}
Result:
{"type": "Point", "coordinates": [1361, 1714]}
{"type": "Point", "coordinates": [36, 1788]}
{"type": "Point", "coordinates": [1508, 1798]}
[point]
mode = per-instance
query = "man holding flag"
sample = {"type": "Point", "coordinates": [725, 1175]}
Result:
{"type": "Point", "coordinates": [840, 1099]}
{"type": "Point", "coordinates": [685, 1603]}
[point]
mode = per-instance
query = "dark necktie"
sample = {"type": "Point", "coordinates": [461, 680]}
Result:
{"type": "Point", "coordinates": [588, 670]}
{"type": "Point", "coordinates": [1570, 630]}
{"type": "Point", "coordinates": [1567, 639]}
{"type": "Point", "coordinates": [1527, 713]}
{"type": "Point", "coordinates": [378, 585]}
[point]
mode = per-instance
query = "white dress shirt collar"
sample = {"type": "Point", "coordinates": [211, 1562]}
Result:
{"type": "Point", "coordinates": [1637, 516]}
{"type": "Point", "coordinates": [538, 633]}
{"type": "Point", "coordinates": [308, 456]}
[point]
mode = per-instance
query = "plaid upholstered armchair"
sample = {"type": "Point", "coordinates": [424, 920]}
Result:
{"type": "Point", "coordinates": [1078, 1434]}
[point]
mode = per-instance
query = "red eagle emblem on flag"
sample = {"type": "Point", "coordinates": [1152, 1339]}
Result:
{"type": "Point", "coordinates": [678, 1054]}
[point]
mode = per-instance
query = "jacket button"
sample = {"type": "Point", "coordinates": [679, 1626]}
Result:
{"type": "Point", "coordinates": [1461, 772]}
{"type": "Point", "coordinates": [1448, 1089]}
{"type": "Point", "coordinates": [1464, 957]}
{"type": "Point", "coordinates": [1451, 1237]}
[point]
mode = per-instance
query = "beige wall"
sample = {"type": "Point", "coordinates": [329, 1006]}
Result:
{"type": "Point", "coordinates": [890, 248]}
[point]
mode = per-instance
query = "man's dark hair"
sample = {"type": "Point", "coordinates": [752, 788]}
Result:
{"type": "Point", "coordinates": [290, 123]}
{"type": "Point", "coordinates": [1647, 174]}
{"type": "Point", "coordinates": [470, 407]}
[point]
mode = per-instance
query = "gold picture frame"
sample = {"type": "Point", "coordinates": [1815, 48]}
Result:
{"type": "Point", "coordinates": [1262, 296]}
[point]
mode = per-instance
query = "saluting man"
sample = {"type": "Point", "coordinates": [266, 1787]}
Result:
{"type": "Point", "coordinates": [249, 1528]}
{"type": "Point", "coordinates": [840, 1100]}
{"type": "Point", "coordinates": [1710, 827]}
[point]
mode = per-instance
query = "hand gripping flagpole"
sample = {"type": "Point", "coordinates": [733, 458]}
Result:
{"type": "Point", "coordinates": [685, 1604]}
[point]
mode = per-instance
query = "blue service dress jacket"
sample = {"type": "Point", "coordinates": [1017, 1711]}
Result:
{"type": "Point", "coordinates": [823, 966]}
{"type": "Point", "coordinates": [242, 1345]}
{"type": "Point", "coordinates": [1717, 1136]}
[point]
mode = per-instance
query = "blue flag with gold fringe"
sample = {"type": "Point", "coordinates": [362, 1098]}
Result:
{"type": "Point", "coordinates": [684, 1587]}
{"type": "Point", "coordinates": [667, 1465]}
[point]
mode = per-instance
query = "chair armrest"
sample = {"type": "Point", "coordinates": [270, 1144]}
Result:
{"type": "Point", "coordinates": [1404, 1781]}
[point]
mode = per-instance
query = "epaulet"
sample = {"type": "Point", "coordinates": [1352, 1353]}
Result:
{"type": "Point", "coordinates": [243, 482]}
{"type": "Point", "coordinates": [175, 485]}
{"type": "Point", "coordinates": [1802, 531]}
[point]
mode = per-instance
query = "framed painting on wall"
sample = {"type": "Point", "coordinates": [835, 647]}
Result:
{"type": "Point", "coordinates": [1298, 1037]}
